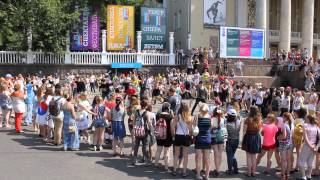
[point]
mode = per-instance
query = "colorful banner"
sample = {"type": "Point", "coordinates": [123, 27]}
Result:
{"type": "Point", "coordinates": [214, 12]}
{"type": "Point", "coordinates": [153, 27]}
{"type": "Point", "coordinates": [86, 34]}
{"type": "Point", "coordinates": [241, 43]}
{"type": "Point", "coordinates": [120, 27]}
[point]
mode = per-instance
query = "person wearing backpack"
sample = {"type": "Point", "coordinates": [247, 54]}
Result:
{"type": "Point", "coordinates": [163, 134]}
{"type": "Point", "coordinates": [297, 136]}
{"type": "Point", "coordinates": [233, 128]}
{"type": "Point", "coordinates": [309, 148]}
{"type": "Point", "coordinates": [142, 122]}
{"type": "Point", "coordinates": [56, 113]}
{"type": "Point", "coordinates": [182, 129]}
{"type": "Point", "coordinates": [218, 138]}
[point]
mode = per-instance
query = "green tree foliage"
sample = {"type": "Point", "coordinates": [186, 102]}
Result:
{"type": "Point", "coordinates": [48, 20]}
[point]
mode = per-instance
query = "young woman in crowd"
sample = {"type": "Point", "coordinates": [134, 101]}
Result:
{"type": "Point", "coordinates": [269, 131]}
{"type": "Point", "coordinates": [164, 139]}
{"type": "Point", "coordinates": [117, 115]}
{"type": "Point", "coordinates": [182, 128]}
{"type": "Point", "coordinates": [83, 110]}
{"type": "Point", "coordinates": [309, 147]}
{"type": "Point", "coordinates": [251, 141]}
{"type": "Point", "coordinates": [141, 122]}
{"type": "Point", "coordinates": [316, 171]}
{"type": "Point", "coordinates": [99, 123]}
{"type": "Point", "coordinates": [203, 140]}
{"type": "Point", "coordinates": [218, 135]}
{"type": "Point", "coordinates": [6, 105]}
{"type": "Point", "coordinates": [233, 128]}
{"type": "Point", "coordinates": [297, 136]}
{"type": "Point", "coordinates": [18, 107]}
{"type": "Point", "coordinates": [285, 145]}
{"type": "Point", "coordinates": [131, 110]}
{"type": "Point", "coordinates": [71, 139]}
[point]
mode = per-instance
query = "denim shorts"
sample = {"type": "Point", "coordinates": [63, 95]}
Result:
{"type": "Point", "coordinates": [99, 123]}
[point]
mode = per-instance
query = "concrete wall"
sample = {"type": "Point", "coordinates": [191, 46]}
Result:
{"type": "Point", "coordinates": [200, 35]}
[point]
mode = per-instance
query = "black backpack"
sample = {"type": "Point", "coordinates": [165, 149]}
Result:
{"type": "Point", "coordinates": [54, 107]}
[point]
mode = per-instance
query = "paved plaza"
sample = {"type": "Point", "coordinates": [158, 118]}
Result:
{"type": "Point", "coordinates": [27, 157]}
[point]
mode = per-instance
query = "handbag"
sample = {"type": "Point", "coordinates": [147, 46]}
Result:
{"type": "Point", "coordinates": [195, 129]}
{"type": "Point", "coordinates": [72, 128]}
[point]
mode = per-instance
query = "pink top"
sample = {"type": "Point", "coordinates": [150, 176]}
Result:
{"type": "Point", "coordinates": [269, 134]}
{"type": "Point", "coordinates": [311, 131]}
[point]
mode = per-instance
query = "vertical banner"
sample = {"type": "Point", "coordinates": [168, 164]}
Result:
{"type": "Point", "coordinates": [120, 27]}
{"type": "Point", "coordinates": [214, 13]}
{"type": "Point", "coordinates": [85, 35]}
{"type": "Point", "coordinates": [153, 27]}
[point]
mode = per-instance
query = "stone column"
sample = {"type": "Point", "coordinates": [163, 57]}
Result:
{"type": "Point", "coordinates": [261, 22]}
{"type": "Point", "coordinates": [189, 41]}
{"type": "Point", "coordinates": [171, 40]}
{"type": "Point", "coordinates": [307, 26]}
{"type": "Point", "coordinates": [171, 55]}
{"type": "Point", "coordinates": [242, 13]}
{"type": "Point", "coordinates": [285, 25]}
{"type": "Point", "coordinates": [139, 41]}
{"type": "Point", "coordinates": [104, 40]}
{"type": "Point", "coordinates": [261, 14]}
{"type": "Point", "coordinates": [67, 55]}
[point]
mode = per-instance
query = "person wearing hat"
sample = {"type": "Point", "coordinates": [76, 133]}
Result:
{"type": "Point", "coordinates": [233, 128]}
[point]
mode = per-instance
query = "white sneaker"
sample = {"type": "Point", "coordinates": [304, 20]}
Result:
{"type": "Point", "coordinates": [100, 148]}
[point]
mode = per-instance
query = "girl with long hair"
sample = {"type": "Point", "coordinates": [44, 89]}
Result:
{"type": "Point", "coordinates": [251, 140]}
{"type": "Point", "coordinates": [182, 128]}
{"type": "Point", "coordinates": [203, 140]}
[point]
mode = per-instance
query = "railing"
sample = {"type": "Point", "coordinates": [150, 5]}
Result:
{"type": "Point", "coordinates": [274, 33]}
{"type": "Point", "coordinates": [295, 34]}
{"type": "Point", "coordinates": [48, 58]}
{"type": "Point", "coordinates": [86, 58]}
{"type": "Point", "coordinates": [12, 57]}
{"type": "Point", "coordinates": [180, 60]}
{"type": "Point", "coordinates": [315, 36]}
{"type": "Point", "coordinates": [155, 59]}
{"type": "Point", "coordinates": [121, 57]}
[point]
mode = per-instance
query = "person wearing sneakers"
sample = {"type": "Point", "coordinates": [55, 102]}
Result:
{"type": "Point", "coordinates": [233, 128]}
{"type": "Point", "coordinates": [99, 123]}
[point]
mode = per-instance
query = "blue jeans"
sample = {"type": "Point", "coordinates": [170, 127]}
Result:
{"type": "Point", "coordinates": [231, 148]}
{"type": "Point", "coordinates": [28, 119]}
{"type": "Point", "coordinates": [290, 67]}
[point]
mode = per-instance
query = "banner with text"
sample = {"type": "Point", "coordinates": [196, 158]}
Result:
{"type": "Point", "coordinates": [153, 27]}
{"type": "Point", "coordinates": [85, 35]}
{"type": "Point", "coordinates": [242, 43]}
{"type": "Point", "coordinates": [120, 27]}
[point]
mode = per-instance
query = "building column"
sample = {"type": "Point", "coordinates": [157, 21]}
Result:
{"type": "Point", "coordinates": [285, 25]}
{"type": "Point", "coordinates": [139, 41]}
{"type": "Point", "coordinates": [307, 26]}
{"type": "Point", "coordinates": [104, 40]}
{"type": "Point", "coordinates": [189, 41]}
{"type": "Point", "coordinates": [262, 22]}
{"type": "Point", "coordinates": [242, 13]}
{"type": "Point", "coordinates": [171, 43]}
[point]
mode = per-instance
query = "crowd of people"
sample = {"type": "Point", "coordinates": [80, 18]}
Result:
{"type": "Point", "coordinates": [274, 121]}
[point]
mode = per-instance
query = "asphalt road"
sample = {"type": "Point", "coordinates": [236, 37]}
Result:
{"type": "Point", "coordinates": [27, 157]}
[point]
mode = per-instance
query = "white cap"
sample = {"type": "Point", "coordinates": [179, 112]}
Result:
{"type": "Point", "coordinates": [232, 112]}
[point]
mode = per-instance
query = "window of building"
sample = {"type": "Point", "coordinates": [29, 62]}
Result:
{"type": "Point", "coordinates": [175, 22]}
{"type": "Point", "coordinates": [179, 20]}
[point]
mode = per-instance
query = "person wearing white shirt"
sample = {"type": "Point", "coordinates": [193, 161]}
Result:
{"type": "Point", "coordinates": [285, 103]}
{"type": "Point", "coordinates": [239, 65]}
{"type": "Point", "coordinates": [297, 101]}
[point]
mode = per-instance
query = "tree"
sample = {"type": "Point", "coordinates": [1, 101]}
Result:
{"type": "Point", "coordinates": [47, 20]}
